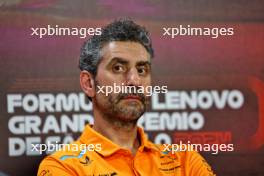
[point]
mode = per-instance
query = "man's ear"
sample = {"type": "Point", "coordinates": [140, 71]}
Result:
{"type": "Point", "coordinates": [87, 83]}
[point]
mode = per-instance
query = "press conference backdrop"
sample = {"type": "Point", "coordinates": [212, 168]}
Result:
{"type": "Point", "coordinates": [215, 83]}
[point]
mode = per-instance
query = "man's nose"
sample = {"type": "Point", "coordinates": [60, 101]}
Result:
{"type": "Point", "coordinates": [133, 79]}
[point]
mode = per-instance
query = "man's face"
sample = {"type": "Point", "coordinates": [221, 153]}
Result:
{"type": "Point", "coordinates": [125, 64]}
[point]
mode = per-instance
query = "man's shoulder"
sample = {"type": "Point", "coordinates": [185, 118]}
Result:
{"type": "Point", "coordinates": [67, 151]}
{"type": "Point", "coordinates": [62, 160]}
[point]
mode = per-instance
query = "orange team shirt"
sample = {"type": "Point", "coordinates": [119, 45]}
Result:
{"type": "Point", "coordinates": [113, 160]}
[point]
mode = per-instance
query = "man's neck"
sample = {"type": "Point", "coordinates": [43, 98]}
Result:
{"type": "Point", "coordinates": [121, 133]}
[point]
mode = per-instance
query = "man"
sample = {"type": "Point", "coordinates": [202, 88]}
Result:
{"type": "Point", "coordinates": [121, 55]}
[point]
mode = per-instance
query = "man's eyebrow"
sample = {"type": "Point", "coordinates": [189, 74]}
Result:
{"type": "Point", "coordinates": [140, 63]}
{"type": "Point", "coordinates": [118, 60]}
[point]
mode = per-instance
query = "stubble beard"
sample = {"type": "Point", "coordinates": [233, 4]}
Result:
{"type": "Point", "coordinates": [115, 110]}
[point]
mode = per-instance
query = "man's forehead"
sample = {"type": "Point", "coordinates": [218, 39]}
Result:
{"type": "Point", "coordinates": [125, 50]}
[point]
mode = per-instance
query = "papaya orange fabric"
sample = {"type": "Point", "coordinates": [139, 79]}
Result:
{"type": "Point", "coordinates": [113, 160]}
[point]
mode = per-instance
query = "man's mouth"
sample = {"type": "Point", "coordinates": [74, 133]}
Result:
{"type": "Point", "coordinates": [133, 97]}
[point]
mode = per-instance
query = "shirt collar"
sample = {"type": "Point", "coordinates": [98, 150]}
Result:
{"type": "Point", "coordinates": [90, 136]}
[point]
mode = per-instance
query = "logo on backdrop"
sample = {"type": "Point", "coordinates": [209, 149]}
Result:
{"type": "Point", "coordinates": [178, 115]}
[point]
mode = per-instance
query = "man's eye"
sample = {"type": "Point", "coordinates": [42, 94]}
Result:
{"type": "Point", "coordinates": [118, 68]}
{"type": "Point", "coordinates": [142, 71]}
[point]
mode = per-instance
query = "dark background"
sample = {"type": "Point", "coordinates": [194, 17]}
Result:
{"type": "Point", "coordinates": [49, 65]}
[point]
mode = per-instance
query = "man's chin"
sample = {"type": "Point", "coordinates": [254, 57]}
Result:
{"type": "Point", "coordinates": [128, 119]}
{"type": "Point", "coordinates": [130, 113]}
